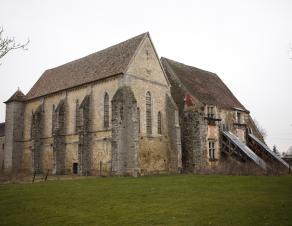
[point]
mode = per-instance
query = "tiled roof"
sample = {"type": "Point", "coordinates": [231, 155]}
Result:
{"type": "Point", "coordinates": [17, 96]}
{"type": "Point", "coordinates": [205, 86]}
{"type": "Point", "coordinates": [105, 63]}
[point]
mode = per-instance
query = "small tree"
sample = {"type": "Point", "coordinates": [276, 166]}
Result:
{"type": "Point", "coordinates": [8, 44]}
{"type": "Point", "coordinates": [275, 150]}
{"type": "Point", "coordinates": [260, 129]}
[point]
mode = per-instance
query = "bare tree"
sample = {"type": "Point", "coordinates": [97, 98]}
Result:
{"type": "Point", "coordinates": [8, 44]}
{"type": "Point", "coordinates": [276, 151]}
{"type": "Point", "coordinates": [260, 128]}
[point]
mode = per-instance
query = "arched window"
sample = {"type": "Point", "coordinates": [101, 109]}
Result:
{"type": "Point", "coordinates": [121, 113]}
{"type": "Point", "coordinates": [159, 129]}
{"type": "Point", "coordinates": [53, 120]}
{"type": "Point", "coordinates": [148, 113]}
{"type": "Point", "coordinates": [138, 119]}
{"type": "Point", "coordinates": [106, 111]}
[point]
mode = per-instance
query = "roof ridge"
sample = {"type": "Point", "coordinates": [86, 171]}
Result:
{"type": "Point", "coordinates": [136, 50]}
{"type": "Point", "coordinates": [17, 96]}
{"type": "Point", "coordinates": [190, 66]}
{"type": "Point", "coordinates": [99, 51]}
{"type": "Point", "coordinates": [99, 65]}
{"type": "Point", "coordinates": [206, 86]}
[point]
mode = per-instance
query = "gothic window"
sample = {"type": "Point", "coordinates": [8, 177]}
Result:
{"type": "Point", "coordinates": [148, 114]}
{"type": "Point", "coordinates": [106, 111]}
{"type": "Point", "coordinates": [76, 116]}
{"type": "Point", "coordinates": [138, 119]}
{"type": "Point", "coordinates": [121, 113]}
{"type": "Point", "coordinates": [159, 129]}
{"type": "Point", "coordinates": [211, 149]}
{"type": "Point", "coordinates": [210, 112]}
{"type": "Point", "coordinates": [53, 119]}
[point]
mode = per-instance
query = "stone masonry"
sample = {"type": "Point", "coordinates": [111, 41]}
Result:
{"type": "Point", "coordinates": [124, 132]}
{"type": "Point", "coordinates": [59, 142]}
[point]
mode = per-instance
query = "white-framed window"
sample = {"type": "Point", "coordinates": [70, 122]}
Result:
{"type": "Point", "coordinates": [212, 149]}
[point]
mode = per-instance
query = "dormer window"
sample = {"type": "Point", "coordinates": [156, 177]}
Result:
{"type": "Point", "coordinates": [210, 112]}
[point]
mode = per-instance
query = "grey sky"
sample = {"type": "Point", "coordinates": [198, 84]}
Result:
{"type": "Point", "coordinates": [245, 42]}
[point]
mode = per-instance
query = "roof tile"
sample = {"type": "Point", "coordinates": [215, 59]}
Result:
{"type": "Point", "coordinates": [105, 63]}
{"type": "Point", "coordinates": [207, 87]}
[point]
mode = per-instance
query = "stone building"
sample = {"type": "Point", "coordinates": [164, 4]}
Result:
{"type": "Point", "coordinates": [215, 126]}
{"type": "Point", "coordinates": [109, 112]}
{"type": "Point", "coordinates": [123, 111]}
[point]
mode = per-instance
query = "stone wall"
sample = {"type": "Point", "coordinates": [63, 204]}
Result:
{"type": "Point", "coordinates": [174, 135]}
{"type": "Point", "coordinates": [194, 145]}
{"type": "Point", "coordinates": [80, 136]}
{"type": "Point", "coordinates": [124, 132]}
{"type": "Point", "coordinates": [13, 136]}
{"type": "Point", "coordinates": [37, 125]}
{"type": "Point", "coordinates": [59, 141]}
{"type": "Point", "coordinates": [53, 142]}
{"type": "Point", "coordinates": [83, 128]}
{"type": "Point", "coordinates": [2, 146]}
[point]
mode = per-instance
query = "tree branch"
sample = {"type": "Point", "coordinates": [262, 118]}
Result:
{"type": "Point", "coordinates": [8, 44]}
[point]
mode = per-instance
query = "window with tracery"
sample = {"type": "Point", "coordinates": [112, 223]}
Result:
{"type": "Point", "coordinates": [159, 129]}
{"type": "Point", "coordinates": [148, 114]}
{"type": "Point", "coordinates": [106, 111]}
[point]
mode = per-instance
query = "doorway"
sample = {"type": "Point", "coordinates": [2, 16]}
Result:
{"type": "Point", "coordinates": [75, 167]}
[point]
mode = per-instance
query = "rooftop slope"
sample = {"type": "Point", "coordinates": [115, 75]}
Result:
{"type": "Point", "coordinates": [17, 96]}
{"type": "Point", "coordinates": [207, 87]}
{"type": "Point", "coordinates": [105, 63]}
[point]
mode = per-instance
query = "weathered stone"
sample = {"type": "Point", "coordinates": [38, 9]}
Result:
{"type": "Point", "coordinates": [36, 135]}
{"type": "Point", "coordinates": [69, 130]}
{"type": "Point", "coordinates": [124, 132]}
{"type": "Point", "coordinates": [84, 152]}
{"type": "Point", "coordinates": [59, 142]}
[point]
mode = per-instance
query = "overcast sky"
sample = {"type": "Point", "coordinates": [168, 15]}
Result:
{"type": "Point", "coordinates": [247, 43]}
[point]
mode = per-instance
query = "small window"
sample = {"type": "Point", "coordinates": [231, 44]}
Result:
{"type": "Point", "coordinates": [106, 110]}
{"type": "Point", "coordinates": [238, 117]}
{"type": "Point", "coordinates": [138, 120]}
{"type": "Point", "coordinates": [148, 113]}
{"type": "Point", "coordinates": [3, 146]}
{"type": "Point", "coordinates": [211, 149]}
{"type": "Point", "coordinates": [210, 112]}
{"type": "Point", "coordinates": [159, 123]}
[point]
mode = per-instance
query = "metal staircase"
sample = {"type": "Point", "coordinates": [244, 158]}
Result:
{"type": "Point", "coordinates": [231, 145]}
{"type": "Point", "coordinates": [263, 150]}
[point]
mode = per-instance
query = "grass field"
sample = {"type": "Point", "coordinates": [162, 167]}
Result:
{"type": "Point", "coordinates": [153, 200]}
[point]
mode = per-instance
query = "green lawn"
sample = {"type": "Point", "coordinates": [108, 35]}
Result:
{"type": "Point", "coordinates": [155, 200]}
